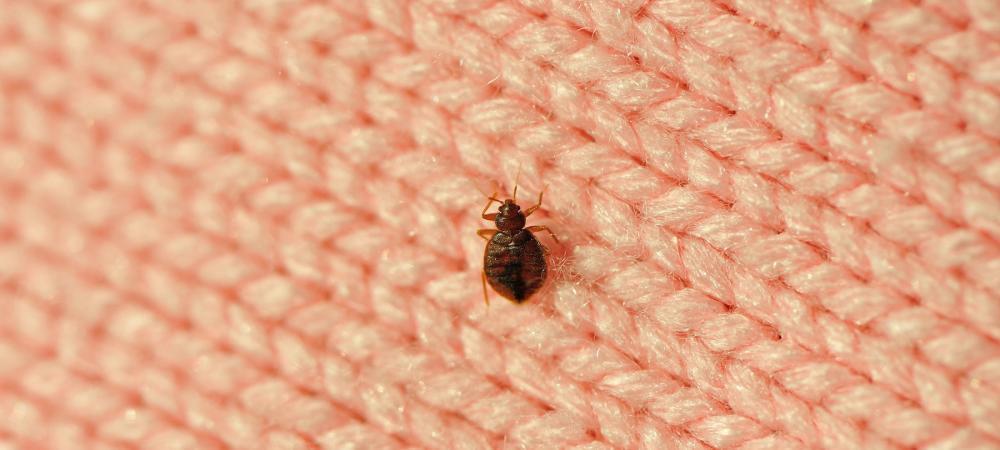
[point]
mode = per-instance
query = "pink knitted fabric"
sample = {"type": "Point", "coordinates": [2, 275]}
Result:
{"type": "Point", "coordinates": [252, 224]}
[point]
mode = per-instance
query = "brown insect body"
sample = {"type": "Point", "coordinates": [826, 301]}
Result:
{"type": "Point", "coordinates": [514, 262]}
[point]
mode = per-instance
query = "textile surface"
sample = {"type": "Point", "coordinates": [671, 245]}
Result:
{"type": "Point", "coordinates": [252, 224]}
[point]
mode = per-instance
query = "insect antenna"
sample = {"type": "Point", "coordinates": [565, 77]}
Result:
{"type": "Point", "coordinates": [517, 178]}
{"type": "Point", "coordinates": [490, 196]}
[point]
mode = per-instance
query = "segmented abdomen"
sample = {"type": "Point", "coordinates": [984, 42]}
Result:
{"type": "Point", "coordinates": [515, 266]}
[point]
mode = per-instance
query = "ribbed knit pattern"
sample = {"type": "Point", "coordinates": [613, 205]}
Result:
{"type": "Point", "coordinates": [252, 224]}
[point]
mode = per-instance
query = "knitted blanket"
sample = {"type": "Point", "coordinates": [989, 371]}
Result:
{"type": "Point", "coordinates": [253, 224]}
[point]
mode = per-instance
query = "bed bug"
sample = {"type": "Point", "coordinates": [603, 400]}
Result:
{"type": "Point", "coordinates": [514, 261]}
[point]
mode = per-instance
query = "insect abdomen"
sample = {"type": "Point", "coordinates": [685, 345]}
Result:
{"type": "Point", "coordinates": [515, 268]}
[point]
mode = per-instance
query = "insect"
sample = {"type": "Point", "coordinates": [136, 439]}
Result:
{"type": "Point", "coordinates": [514, 261]}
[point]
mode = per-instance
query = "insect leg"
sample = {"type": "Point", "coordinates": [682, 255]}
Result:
{"type": "Point", "coordinates": [532, 209]}
{"type": "Point", "coordinates": [537, 228]}
{"type": "Point", "coordinates": [486, 296]}
{"type": "Point", "coordinates": [486, 233]}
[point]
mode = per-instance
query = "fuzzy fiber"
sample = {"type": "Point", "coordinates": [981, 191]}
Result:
{"type": "Point", "coordinates": [252, 224]}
